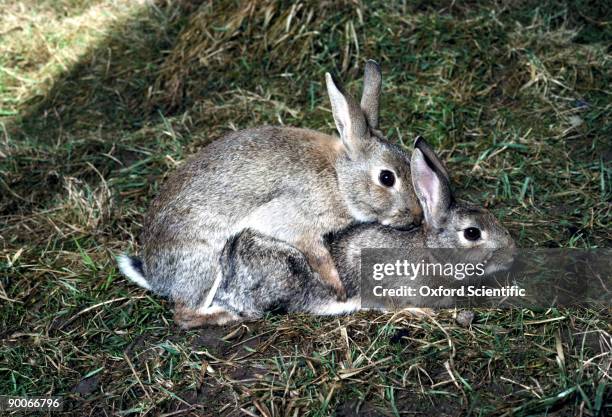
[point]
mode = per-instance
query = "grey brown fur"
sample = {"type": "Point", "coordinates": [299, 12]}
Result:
{"type": "Point", "coordinates": [292, 185]}
{"type": "Point", "coordinates": [264, 274]}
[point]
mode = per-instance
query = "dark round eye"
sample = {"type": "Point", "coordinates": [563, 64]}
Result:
{"type": "Point", "coordinates": [386, 178]}
{"type": "Point", "coordinates": [471, 233]}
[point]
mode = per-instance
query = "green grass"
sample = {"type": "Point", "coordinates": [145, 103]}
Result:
{"type": "Point", "coordinates": [100, 101]}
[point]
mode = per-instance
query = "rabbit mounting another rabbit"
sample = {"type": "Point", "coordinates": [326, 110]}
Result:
{"type": "Point", "coordinates": [263, 274]}
{"type": "Point", "coordinates": [286, 184]}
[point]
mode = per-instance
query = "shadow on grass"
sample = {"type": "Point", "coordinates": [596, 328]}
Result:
{"type": "Point", "coordinates": [74, 129]}
{"type": "Point", "coordinates": [110, 87]}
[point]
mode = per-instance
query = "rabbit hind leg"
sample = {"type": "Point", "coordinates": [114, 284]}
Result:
{"type": "Point", "coordinates": [189, 318]}
{"type": "Point", "coordinates": [321, 261]}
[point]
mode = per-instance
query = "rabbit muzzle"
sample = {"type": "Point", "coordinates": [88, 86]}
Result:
{"type": "Point", "coordinates": [404, 219]}
{"type": "Point", "coordinates": [501, 259]}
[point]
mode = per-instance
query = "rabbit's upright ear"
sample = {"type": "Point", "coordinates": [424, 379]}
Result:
{"type": "Point", "coordinates": [431, 187]}
{"type": "Point", "coordinates": [349, 117]}
{"type": "Point", "coordinates": [370, 99]}
{"type": "Point", "coordinates": [424, 147]}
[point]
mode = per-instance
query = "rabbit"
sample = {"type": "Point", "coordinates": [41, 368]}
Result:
{"type": "Point", "coordinates": [293, 185]}
{"type": "Point", "coordinates": [263, 274]}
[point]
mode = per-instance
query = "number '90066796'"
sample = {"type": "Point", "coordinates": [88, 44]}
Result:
{"type": "Point", "coordinates": [10, 403]}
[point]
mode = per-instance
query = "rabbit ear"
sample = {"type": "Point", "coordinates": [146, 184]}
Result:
{"type": "Point", "coordinates": [431, 187]}
{"type": "Point", "coordinates": [424, 147]}
{"type": "Point", "coordinates": [370, 99]}
{"type": "Point", "coordinates": [348, 116]}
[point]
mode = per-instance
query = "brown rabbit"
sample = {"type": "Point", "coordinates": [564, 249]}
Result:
{"type": "Point", "coordinates": [293, 185]}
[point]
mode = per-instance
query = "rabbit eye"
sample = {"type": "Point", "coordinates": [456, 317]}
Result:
{"type": "Point", "coordinates": [386, 178]}
{"type": "Point", "coordinates": [471, 233]}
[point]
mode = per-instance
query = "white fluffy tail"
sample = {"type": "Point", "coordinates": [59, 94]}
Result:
{"type": "Point", "coordinates": [335, 308]}
{"type": "Point", "coordinates": [132, 270]}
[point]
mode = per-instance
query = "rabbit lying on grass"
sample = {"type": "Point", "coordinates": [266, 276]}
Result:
{"type": "Point", "coordinates": [262, 273]}
{"type": "Point", "coordinates": [286, 184]}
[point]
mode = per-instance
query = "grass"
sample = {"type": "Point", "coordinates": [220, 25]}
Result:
{"type": "Point", "coordinates": [99, 101]}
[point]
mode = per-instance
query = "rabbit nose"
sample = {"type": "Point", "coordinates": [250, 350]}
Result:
{"type": "Point", "coordinates": [512, 248]}
{"type": "Point", "coordinates": [511, 243]}
{"type": "Point", "coordinates": [417, 214]}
